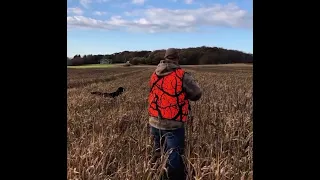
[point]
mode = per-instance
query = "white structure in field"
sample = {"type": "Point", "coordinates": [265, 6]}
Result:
{"type": "Point", "coordinates": [127, 63]}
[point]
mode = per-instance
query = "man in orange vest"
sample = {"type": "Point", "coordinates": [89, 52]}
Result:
{"type": "Point", "coordinates": [171, 88]}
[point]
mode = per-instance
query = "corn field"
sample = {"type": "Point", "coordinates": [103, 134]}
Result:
{"type": "Point", "coordinates": [110, 138]}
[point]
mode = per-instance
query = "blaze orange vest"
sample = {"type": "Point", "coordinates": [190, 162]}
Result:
{"type": "Point", "coordinates": [167, 99]}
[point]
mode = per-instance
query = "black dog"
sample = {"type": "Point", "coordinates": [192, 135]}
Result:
{"type": "Point", "coordinates": [119, 91]}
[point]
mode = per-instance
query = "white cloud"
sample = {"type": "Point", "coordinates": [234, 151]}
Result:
{"type": "Point", "coordinates": [85, 3]}
{"type": "Point", "coordinates": [138, 1]}
{"type": "Point", "coordinates": [76, 11]}
{"type": "Point", "coordinates": [84, 22]}
{"type": "Point", "coordinates": [188, 1]}
{"type": "Point", "coordinates": [99, 13]}
{"type": "Point", "coordinates": [102, 1]}
{"type": "Point", "coordinates": [167, 20]}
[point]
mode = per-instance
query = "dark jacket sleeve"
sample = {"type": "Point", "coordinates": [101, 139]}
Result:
{"type": "Point", "coordinates": [192, 89]}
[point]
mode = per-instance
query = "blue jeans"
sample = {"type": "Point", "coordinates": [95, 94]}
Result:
{"type": "Point", "coordinates": [171, 139]}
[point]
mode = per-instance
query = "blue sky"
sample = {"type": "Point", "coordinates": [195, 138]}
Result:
{"type": "Point", "coordinates": [109, 26]}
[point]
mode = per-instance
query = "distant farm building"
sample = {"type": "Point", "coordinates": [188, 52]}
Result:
{"type": "Point", "coordinates": [127, 63]}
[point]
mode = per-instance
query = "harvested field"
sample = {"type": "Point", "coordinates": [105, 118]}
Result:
{"type": "Point", "coordinates": [109, 138]}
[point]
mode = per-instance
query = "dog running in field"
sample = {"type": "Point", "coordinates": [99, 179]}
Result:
{"type": "Point", "coordinates": [119, 91]}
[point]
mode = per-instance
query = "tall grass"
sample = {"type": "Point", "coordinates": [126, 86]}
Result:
{"type": "Point", "coordinates": [110, 138]}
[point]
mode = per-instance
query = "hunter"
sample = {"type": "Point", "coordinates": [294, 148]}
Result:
{"type": "Point", "coordinates": [171, 88]}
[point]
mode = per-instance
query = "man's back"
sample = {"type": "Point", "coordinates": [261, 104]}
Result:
{"type": "Point", "coordinates": [191, 91]}
{"type": "Point", "coordinates": [167, 98]}
{"type": "Point", "coordinates": [191, 88]}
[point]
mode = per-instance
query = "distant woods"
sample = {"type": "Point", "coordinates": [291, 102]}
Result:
{"type": "Point", "coordinates": [188, 56]}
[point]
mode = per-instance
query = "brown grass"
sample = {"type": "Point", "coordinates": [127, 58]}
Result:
{"type": "Point", "coordinates": [109, 139]}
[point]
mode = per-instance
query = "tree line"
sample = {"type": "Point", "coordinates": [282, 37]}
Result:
{"type": "Point", "coordinates": [188, 56]}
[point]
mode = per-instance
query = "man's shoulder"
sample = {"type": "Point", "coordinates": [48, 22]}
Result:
{"type": "Point", "coordinates": [187, 74]}
{"type": "Point", "coordinates": [188, 79]}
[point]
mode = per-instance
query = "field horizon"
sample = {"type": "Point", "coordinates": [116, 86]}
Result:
{"type": "Point", "coordinates": [98, 66]}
